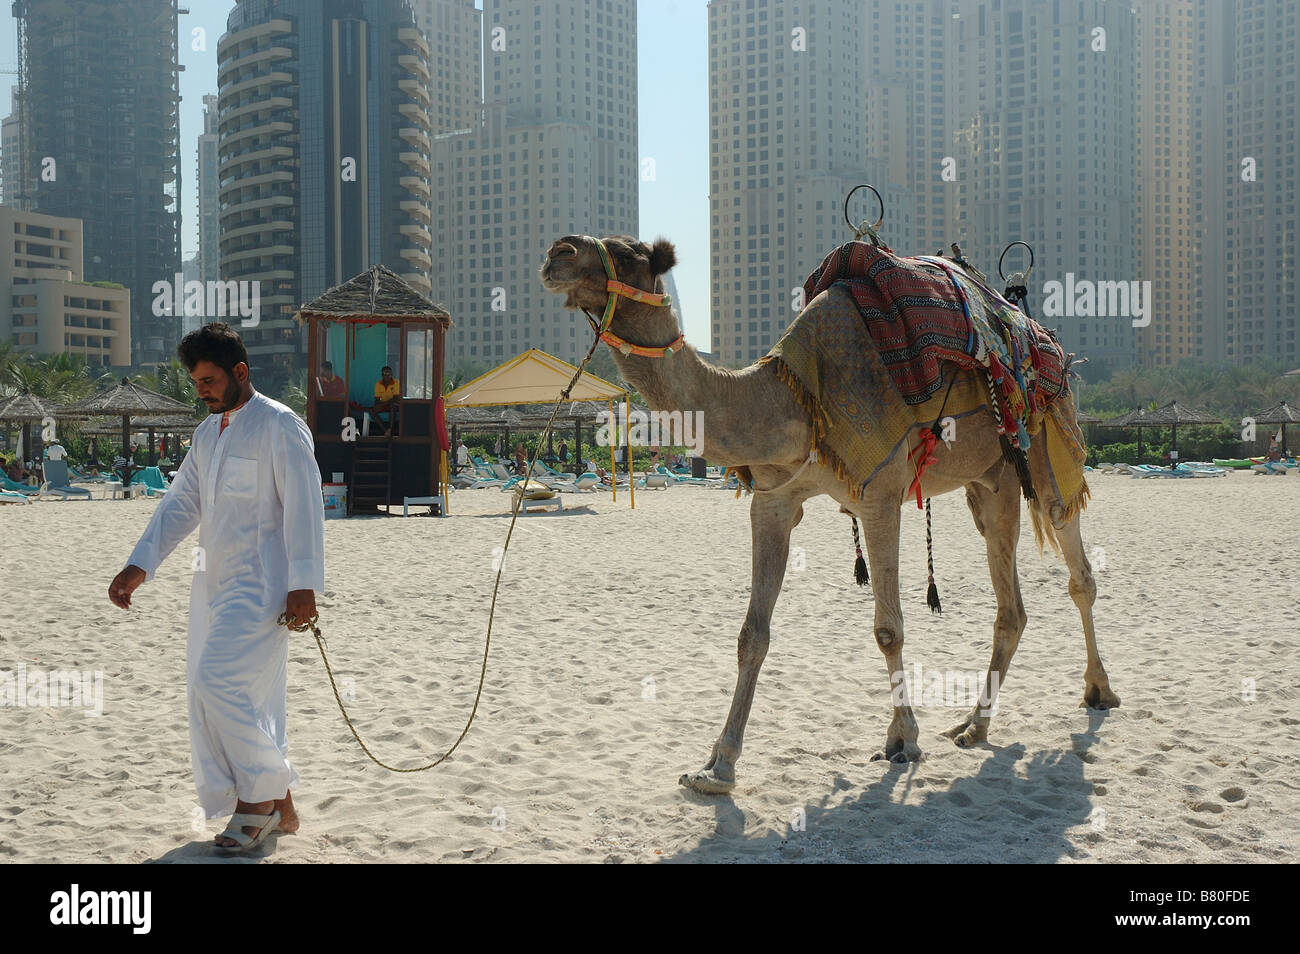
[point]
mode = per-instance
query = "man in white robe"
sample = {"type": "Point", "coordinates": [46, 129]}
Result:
{"type": "Point", "coordinates": [251, 485]}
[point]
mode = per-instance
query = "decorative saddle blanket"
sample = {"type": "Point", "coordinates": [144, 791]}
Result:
{"type": "Point", "coordinates": [920, 313]}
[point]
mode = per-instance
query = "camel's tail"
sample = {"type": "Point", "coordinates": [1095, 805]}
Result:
{"type": "Point", "coordinates": [1044, 532]}
{"type": "Point", "coordinates": [1056, 460]}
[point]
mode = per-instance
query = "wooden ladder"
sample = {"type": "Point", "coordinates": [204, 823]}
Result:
{"type": "Point", "coordinates": [372, 471]}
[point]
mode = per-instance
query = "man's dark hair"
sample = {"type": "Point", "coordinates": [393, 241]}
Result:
{"type": "Point", "coordinates": [326, 366]}
{"type": "Point", "coordinates": [218, 343]}
{"type": "Point", "coordinates": [387, 367]}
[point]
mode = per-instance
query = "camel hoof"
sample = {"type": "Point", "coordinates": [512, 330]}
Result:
{"type": "Point", "coordinates": [966, 734]}
{"type": "Point", "coordinates": [900, 752]}
{"type": "Point", "coordinates": [706, 782]}
{"type": "Point", "coordinates": [1095, 697]}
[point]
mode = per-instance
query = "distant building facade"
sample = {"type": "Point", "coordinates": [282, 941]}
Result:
{"type": "Point", "coordinates": [103, 141]}
{"type": "Point", "coordinates": [554, 153]}
{"type": "Point", "coordinates": [45, 305]}
{"type": "Point", "coordinates": [1046, 110]}
{"type": "Point", "coordinates": [323, 126]}
{"type": "Point", "coordinates": [787, 143]}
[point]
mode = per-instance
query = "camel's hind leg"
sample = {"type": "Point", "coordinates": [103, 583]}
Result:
{"type": "Point", "coordinates": [772, 517]}
{"type": "Point", "coordinates": [1097, 693]}
{"type": "Point", "coordinates": [997, 517]}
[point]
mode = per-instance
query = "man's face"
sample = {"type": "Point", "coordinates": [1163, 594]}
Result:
{"type": "Point", "coordinates": [387, 375]}
{"type": "Point", "coordinates": [326, 372]}
{"type": "Point", "coordinates": [218, 390]}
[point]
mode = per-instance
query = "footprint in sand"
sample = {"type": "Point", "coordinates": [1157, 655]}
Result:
{"type": "Point", "coordinates": [1233, 794]}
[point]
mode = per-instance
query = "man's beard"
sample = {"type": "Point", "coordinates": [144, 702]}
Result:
{"type": "Point", "coordinates": [229, 398]}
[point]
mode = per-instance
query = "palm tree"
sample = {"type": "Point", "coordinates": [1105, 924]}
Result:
{"type": "Point", "coordinates": [173, 381]}
{"type": "Point", "coordinates": [295, 392]}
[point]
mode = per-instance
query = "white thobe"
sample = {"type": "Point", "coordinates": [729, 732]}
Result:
{"type": "Point", "coordinates": [254, 492]}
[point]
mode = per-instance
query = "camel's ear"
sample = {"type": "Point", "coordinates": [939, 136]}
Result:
{"type": "Point", "coordinates": [662, 257]}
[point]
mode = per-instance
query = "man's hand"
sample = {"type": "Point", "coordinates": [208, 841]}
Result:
{"type": "Point", "coordinates": [300, 606]}
{"type": "Point", "coordinates": [124, 584]}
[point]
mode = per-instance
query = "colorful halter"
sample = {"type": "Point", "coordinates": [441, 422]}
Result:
{"type": "Point", "coordinates": [617, 288]}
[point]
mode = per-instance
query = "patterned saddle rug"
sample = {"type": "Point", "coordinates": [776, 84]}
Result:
{"type": "Point", "coordinates": [920, 314]}
{"type": "Point", "coordinates": [922, 311]}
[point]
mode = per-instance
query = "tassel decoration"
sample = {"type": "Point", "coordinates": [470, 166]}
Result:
{"type": "Point", "coordinates": [932, 593]}
{"type": "Point", "coordinates": [860, 565]}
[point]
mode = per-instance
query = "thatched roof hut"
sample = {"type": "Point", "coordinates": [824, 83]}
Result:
{"type": "Point", "coordinates": [352, 327]}
{"type": "Point", "coordinates": [376, 293]}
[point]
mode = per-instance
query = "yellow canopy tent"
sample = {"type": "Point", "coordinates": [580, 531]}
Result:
{"type": "Point", "coordinates": [536, 377]}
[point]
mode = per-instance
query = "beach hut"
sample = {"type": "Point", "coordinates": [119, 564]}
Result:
{"type": "Point", "coordinates": [1281, 413]}
{"type": "Point", "coordinates": [128, 400]}
{"type": "Point", "coordinates": [391, 455]}
{"type": "Point", "coordinates": [538, 378]}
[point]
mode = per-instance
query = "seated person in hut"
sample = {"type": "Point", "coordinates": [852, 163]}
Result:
{"type": "Point", "coordinates": [387, 390]}
{"type": "Point", "coordinates": [329, 386]}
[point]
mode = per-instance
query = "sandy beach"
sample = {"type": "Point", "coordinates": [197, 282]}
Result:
{"type": "Point", "coordinates": [613, 661]}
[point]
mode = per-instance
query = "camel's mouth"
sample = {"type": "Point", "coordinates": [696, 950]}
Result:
{"type": "Point", "coordinates": [559, 272]}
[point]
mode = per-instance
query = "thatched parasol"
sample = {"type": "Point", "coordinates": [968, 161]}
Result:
{"type": "Point", "coordinates": [129, 399]}
{"type": "Point", "coordinates": [1171, 415]}
{"type": "Point", "coordinates": [166, 424]}
{"type": "Point", "coordinates": [28, 409]}
{"type": "Point", "coordinates": [1083, 417]}
{"type": "Point", "coordinates": [1280, 413]}
{"type": "Point", "coordinates": [375, 293]}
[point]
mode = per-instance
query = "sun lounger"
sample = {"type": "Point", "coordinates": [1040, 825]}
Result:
{"type": "Point", "coordinates": [14, 486]}
{"type": "Point", "coordinates": [1201, 469]}
{"type": "Point", "coordinates": [1150, 470]}
{"type": "Point", "coordinates": [1274, 467]}
{"type": "Point", "coordinates": [152, 479]}
{"type": "Point", "coordinates": [538, 499]}
{"type": "Point", "coordinates": [13, 497]}
{"type": "Point", "coordinates": [56, 482]}
{"type": "Point", "coordinates": [81, 478]}
{"type": "Point", "coordinates": [586, 483]}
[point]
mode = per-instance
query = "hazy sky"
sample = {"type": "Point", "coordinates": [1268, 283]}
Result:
{"type": "Point", "coordinates": [672, 79]}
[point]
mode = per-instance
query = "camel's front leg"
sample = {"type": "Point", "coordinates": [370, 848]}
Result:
{"type": "Point", "coordinates": [881, 521]}
{"type": "Point", "coordinates": [771, 518]}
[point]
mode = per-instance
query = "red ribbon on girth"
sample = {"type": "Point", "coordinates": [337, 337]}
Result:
{"type": "Point", "coordinates": [922, 456]}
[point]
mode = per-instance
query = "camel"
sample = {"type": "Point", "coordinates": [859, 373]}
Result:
{"type": "Point", "coordinates": [752, 419]}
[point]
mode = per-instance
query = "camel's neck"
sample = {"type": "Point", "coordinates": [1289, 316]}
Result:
{"type": "Point", "coordinates": [743, 417]}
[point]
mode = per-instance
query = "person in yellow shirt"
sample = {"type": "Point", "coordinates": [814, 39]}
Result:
{"type": "Point", "coordinates": [387, 390]}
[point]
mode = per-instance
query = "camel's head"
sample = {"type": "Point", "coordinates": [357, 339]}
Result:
{"type": "Point", "coordinates": [574, 268]}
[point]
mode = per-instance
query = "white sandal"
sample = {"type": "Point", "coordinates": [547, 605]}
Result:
{"type": "Point", "coordinates": [266, 825]}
